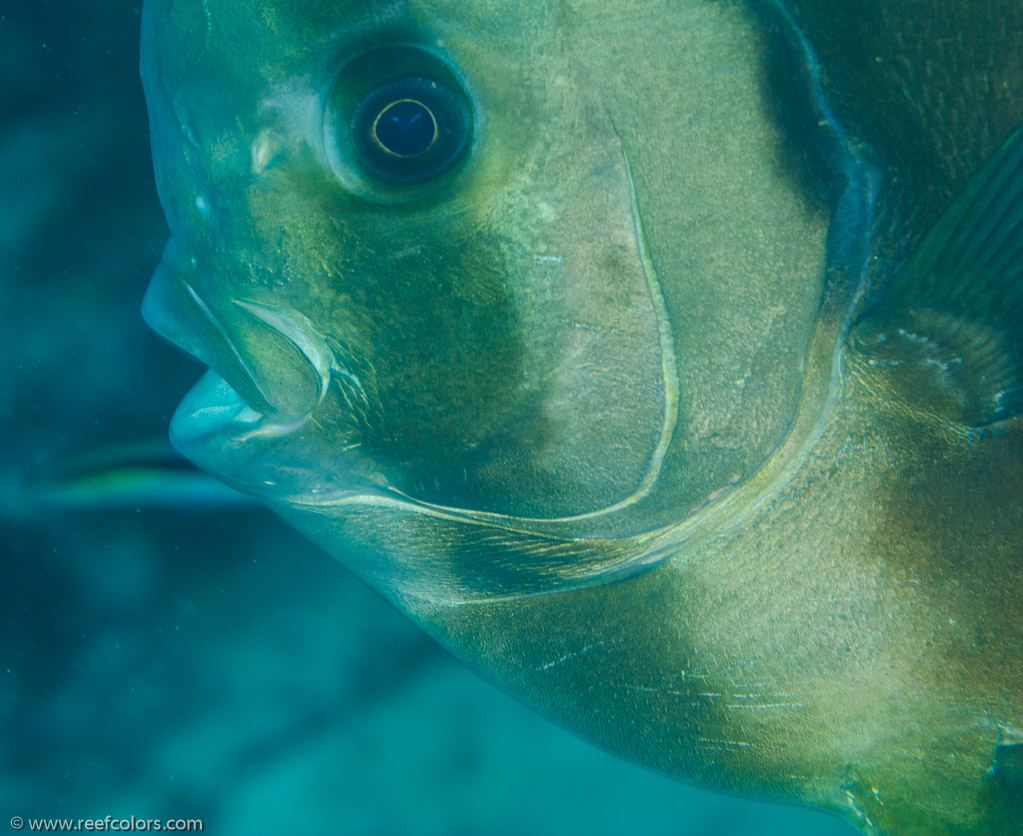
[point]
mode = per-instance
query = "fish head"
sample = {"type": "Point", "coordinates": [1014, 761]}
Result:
{"type": "Point", "coordinates": [538, 265]}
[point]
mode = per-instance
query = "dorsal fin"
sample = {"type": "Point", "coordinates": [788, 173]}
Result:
{"type": "Point", "coordinates": [952, 318]}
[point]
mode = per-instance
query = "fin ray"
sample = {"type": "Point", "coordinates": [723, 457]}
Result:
{"type": "Point", "coordinates": [959, 301]}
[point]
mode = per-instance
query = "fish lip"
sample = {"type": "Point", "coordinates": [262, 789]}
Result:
{"type": "Point", "coordinates": [214, 427]}
{"type": "Point", "coordinates": [210, 407]}
{"type": "Point", "coordinates": [291, 390]}
{"type": "Point", "coordinates": [214, 412]}
{"type": "Point", "coordinates": [173, 309]}
{"type": "Point", "coordinates": [280, 462]}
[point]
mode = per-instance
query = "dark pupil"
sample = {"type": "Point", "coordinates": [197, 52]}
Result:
{"type": "Point", "coordinates": [406, 128]}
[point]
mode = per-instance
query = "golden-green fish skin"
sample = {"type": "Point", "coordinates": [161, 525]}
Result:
{"type": "Point", "coordinates": [642, 408]}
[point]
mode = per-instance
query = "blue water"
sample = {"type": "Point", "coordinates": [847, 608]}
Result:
{"type": "Point", "coordinates": [209, 663]}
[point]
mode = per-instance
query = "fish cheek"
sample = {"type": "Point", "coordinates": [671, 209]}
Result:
{"type": "Point", "coordinates": [447, 349]}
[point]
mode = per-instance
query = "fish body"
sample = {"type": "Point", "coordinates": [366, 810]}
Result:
{"type": "Point", "coordinates": [604, 340]}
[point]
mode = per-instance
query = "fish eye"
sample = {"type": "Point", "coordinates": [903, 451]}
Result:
{"type": "Point", "coordinates": [397, 124]}
{"type": "Point", "coordinates": [409, 130]}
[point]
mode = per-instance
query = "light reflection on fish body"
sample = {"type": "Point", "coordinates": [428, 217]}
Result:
{"type": "Point", "coordinates": [586, 332]}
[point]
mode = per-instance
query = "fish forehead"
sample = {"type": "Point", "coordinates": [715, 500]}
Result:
{"type": "Point", "coordinates": [266, 42]}
{"type": "Point", "coordinates": [197, 51]}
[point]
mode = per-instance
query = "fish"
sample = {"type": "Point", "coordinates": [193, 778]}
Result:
{"type": "Point", "coordinates": [127, 475]}
{"type": "Point", "coordinates": [660, 359]}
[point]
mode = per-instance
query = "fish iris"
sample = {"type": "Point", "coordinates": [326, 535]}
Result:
{"type": "Point", "coordinates": [406, 128]}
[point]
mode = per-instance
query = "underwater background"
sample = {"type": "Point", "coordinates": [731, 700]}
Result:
{"type": "Point", "coordinates": [202, 660]}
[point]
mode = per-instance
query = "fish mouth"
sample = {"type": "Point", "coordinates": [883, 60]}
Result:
{"type": "Point", "coordinates": [272, 357]}
{"type": "Point", "coordinates": [249, 420]}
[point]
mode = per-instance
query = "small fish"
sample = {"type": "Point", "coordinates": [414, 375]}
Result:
{"type": "Point", "coordinates": [641, 353]}
{"type": "Point", "coordinates": [125, 476]}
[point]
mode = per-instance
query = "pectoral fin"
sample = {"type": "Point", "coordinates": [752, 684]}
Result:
{"type": "Point", "coordinates": [949, 326]}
